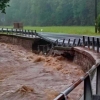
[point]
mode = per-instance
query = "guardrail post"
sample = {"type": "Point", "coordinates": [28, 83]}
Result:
{"type": "Point", "coordinates": [22, 32]}
{"type": "Point", "coordinates": [2, 29]}
{"type": "Point", "coordinates": [44, 49]}
{"type": "Point", "coordinates": [7, 30]}
{"type": "Point", "coordinates": [35, 33]}
{"type": "Point", "coordinates": [25, 32]}
{"type": "Point", "coordinates": [16, 31]}
{"type": "Point", "coordinates": [79, 42]}
{"type": "Point", "coordinates": [51, 49]}
{"type": "Point", "coordinates": [32, 33]}
{"type": "Point", "coordinates": [12, 31]}
{"type": "Point", "coordinates": [19, 31]}
{"type": "Point", "coordinates": [97, 45]}
{"type": "Point", "coordinates": [48, 48]}
{"type": "Point", "coordinates": [87, 89]}
{"type": "Point", "coordinates": [98, 81]}
{"type": "Point", "coordinates": [28, 34]}
{"type": "Point", "coordinates": [63, 43]}
{"type": "Point", "coordinates": [56, 42]}
{"type": "Point", "coordinates": [84, 41]}
{"type": "Point", "coordinates": [89, 42]}
{"type": "Point", "coordinates": [93, 43]}
{"type": "Point", "coordinates": [74, 42]}
{"type": "Point", "coordinates": [69, 42]}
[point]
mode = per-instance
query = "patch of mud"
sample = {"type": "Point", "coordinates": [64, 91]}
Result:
{"type": "Point", "coordinates": [27, 76]}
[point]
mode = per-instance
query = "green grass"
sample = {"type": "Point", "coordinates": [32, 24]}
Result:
{"type": "Point", "coordinates": [80, 30]}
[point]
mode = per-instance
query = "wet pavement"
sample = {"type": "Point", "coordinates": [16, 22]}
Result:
{"type": "Point", "coordinates": [27, 76]}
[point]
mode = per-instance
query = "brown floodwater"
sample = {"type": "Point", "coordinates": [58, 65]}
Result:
{"type": "Point", "coordinates": [28, 76]}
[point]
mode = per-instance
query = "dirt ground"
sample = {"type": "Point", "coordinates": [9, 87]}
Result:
{"type": "Point", "coordinates": [27, 76]}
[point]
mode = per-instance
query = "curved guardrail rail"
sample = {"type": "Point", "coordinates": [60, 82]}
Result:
{"type": "Point", "coordinates": [88, 95]}
{"type": "Point", "coordinates": [87, 42]}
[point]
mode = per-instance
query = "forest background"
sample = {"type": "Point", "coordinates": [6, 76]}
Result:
{"type": "Point", "coordinates": [51, 12]}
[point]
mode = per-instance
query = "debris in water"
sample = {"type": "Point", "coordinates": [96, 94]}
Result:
{"type": "Point", "coordinates": [39, 59]}
{"type": "Point", "coordinates": [25, 89]}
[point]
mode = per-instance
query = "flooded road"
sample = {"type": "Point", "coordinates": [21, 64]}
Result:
{"type": "Point", "coordinates": [27, 76]}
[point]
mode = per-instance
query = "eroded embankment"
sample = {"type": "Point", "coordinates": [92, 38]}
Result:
{"type": "Point", "coordinates": [27, 76]}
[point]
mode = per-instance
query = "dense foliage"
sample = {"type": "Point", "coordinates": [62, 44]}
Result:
{"type": "Point", "coordinates": [3, 5]}
{"type": "Point", "coordinates": [51, 12]}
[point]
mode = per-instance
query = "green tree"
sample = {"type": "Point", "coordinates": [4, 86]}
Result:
{"type": "Point", "coordinates": [3, 5]}
{"type": "Point", "coordinates": [98, 23]}
{"type": "Point", "coordinates": [51, 12]}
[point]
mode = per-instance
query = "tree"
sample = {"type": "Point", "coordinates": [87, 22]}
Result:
{"type": "Point", "coordinates": [98, 23]}
{"type": "Point", "coordinates": [50, 12]}
{"type": "Point", "coordinates": [3, 5]}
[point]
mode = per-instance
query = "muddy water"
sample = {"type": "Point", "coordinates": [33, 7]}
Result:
{"type": "Point", "coordinates": [27, 76]}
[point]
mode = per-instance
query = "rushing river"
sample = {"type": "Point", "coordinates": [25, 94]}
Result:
{"type": "Point", "coordinates": [27, 76]}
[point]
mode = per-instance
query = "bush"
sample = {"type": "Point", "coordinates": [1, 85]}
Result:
{"type": "Point", "coordinates": [98, 23]}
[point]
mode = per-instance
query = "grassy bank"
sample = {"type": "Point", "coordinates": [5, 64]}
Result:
{"type": "Point", "coordinates": [81, 30]}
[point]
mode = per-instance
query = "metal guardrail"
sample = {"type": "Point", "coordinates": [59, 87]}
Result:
{"type": "Point", "coordinates": [87, 42]}
{"type": "Point", "coordinates": [48, 47]}
{"type": "Point", "coordinates": [69, 43]}
{"type": "Point", "coordinates": [44, 48]}
{"type": "Point", "coordinates": [19, 32]}
{"type": "Point", "coordinates": [92, 43]}
{"type": "Point", "coordinates": [88, 95]}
